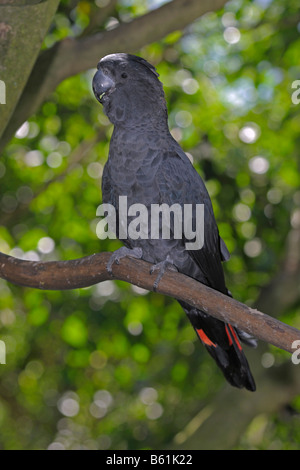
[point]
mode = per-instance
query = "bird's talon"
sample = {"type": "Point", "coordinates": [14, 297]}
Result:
{"type": "Point", "coordinates": [153, 268]}
{"type": "Point", "coordinates": [162, 267]}
{"type": "Point", "coordinates": [122, 253]}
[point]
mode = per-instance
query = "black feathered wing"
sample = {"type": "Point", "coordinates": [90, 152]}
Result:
{"type": "Point", "coordinates": [178, 182]}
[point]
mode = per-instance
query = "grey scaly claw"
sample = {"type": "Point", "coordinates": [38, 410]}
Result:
{"type": "Point", "coordinates": [162, 267]}
{"type": "Point", "coordinates": [122, 253]}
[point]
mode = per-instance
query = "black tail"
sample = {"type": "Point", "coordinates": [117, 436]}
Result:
{"type": "Point", "coordinates": [223, 344]}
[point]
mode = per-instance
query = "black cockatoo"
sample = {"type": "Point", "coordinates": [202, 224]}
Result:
{"type": "Point", "coordinates": [149, 167]}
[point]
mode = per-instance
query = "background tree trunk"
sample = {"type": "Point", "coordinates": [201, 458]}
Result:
{"type": "Point", "coordinates": [71, 56]}
{"type": "Point", "coordinates": [23, 26]}
{"type": "Point", "coordinates": [221, 424]}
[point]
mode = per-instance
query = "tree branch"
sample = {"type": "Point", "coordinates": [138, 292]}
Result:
{"type": "Point", "coordinates": [90, 270]}
{"type": "Point", "coordinates": [72, 56]}
{"type": "Point", "coordinates": [220, 424]}
{"type": "Point", "coordinates": [98, 17]}
{"type": "Point", "coordinates": [209, 429]}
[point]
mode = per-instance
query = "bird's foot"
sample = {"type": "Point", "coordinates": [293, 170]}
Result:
{"type": "Point", "coordinates": [122, 253]}
{"type": "Point", "coordinates": [162, 268]}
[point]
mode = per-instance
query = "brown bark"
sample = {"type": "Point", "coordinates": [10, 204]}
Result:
{"type": "Point", "coordinates": [62, 275]}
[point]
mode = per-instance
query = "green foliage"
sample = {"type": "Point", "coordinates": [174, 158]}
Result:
{"type": "Point", "coordinates": [112, 366]}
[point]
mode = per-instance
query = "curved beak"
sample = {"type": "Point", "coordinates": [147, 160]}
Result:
{"type": "Point", "coordinates": [101, 85]}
